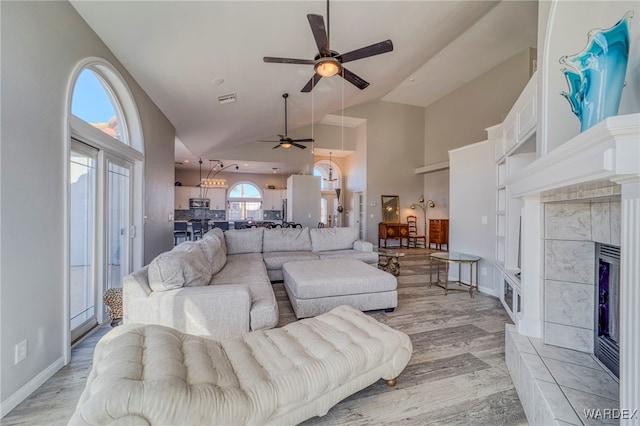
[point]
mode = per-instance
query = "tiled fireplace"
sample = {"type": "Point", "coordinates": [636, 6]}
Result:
{"type": "Point", "coordinates": [586, 191]}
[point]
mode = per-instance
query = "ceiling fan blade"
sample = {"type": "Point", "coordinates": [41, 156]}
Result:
{"type": "Point", "coordinates": [302, 140]}
{"type": "Point", "coordinates": [319, 33]}
{"type": "Point", "coordinates": [299, 146]}
{"type": "Point", "coordinates": [270, 141]}
{"type": "Point", "coordinates": [365, 52]}
{"type": "Point", "coordinates": [354, 79]}
{"type": "Point", "coordinates": [288, 60]}
{"type": "Point", "coordinates": [312, 83]}
{"type": "Point", "coordinates": [277, 146]}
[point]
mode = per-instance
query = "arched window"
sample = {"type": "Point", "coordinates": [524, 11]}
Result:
{"type": "Point", "coordinates": [330, 175]}
{"type": "Point", "coordinates": [245, 202]}
{"type": "Point", "coordinates": [94, 102]}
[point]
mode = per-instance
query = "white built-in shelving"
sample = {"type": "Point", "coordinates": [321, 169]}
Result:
{"type": "Point", "coordinates": [515, 148]}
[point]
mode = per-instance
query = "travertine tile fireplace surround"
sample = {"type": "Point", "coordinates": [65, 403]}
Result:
{"type": "Point", "coordinates": [585, 191]}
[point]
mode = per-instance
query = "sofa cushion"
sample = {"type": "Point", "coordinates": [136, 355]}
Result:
{"type": "Point", "coordinates": [275, 259]}
{"type": "Point", "coordinates": [244, 240]}
{"type": "Point", "coordinates": [214, 248]}
{"type": "Point", "coordinates": [176, 268]}
{"type": "Point", "coordinates": [287, 239]}
{"type": "Point", "coordinates": [323, 239]}
{"type": "Point", "coordinates": [217, 232]}
{"type": "Point", "coordinates": [249, 269]}
{"type": "Point", "coordinates": [364, 256]}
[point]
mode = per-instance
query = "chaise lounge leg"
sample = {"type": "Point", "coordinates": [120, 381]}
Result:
{"type": "Point", "coordinates": [391, 382]}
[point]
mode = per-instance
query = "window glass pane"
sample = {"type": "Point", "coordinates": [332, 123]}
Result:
{"type": "Point", "coordinates": [118, 225]}
{"type": "Point", "coordinates": [82, 225]}
{"type": "Point", "coordinates": [93, 102]}
{"type": "Point", "coordinates": [244, 190]}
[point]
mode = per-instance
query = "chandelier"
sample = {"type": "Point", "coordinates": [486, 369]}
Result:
{"type": "Point", "coordinates": [330, 178]}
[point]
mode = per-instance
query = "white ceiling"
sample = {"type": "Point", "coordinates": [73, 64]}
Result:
{"type": "Point", "coordinates": [178, 51]}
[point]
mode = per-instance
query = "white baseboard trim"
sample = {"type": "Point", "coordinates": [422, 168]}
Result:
{"type": "Point", "coordinates": [486, 290]}
{"type": "Point", "coordinates": [31, 386]}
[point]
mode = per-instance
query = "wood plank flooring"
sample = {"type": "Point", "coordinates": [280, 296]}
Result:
{"type": "Point", "coordinates": [456, 376]}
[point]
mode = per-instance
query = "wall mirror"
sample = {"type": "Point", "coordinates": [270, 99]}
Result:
{"type": "Point", "coordinates": [391, 208]}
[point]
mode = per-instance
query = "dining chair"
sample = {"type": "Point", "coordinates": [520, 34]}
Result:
{"type": "Point", "coordinates": [180, 231]}
{"type": "Point", "coordinates": [196, 228]}
{"type": "Point", "coordinates": [414, 238]}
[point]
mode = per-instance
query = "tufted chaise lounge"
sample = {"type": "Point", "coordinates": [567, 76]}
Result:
{"type": "Point", "coordinates": [150, 374]}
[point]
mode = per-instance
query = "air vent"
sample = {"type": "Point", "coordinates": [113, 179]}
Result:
{"type": "Point", "coordinates": [226, 99]}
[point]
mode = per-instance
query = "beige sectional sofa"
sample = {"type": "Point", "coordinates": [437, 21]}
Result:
{"type": "Point", "coordinates": [220, 285]}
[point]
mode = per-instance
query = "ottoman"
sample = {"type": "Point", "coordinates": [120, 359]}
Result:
{"type": "Point", "coordinates": [155, 375]}
{"type": "Point", "coordinates": [317, 286]}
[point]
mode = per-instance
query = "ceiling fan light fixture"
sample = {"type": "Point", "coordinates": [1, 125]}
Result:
{"type": "Point", "coordinates": [285, 144]}
{"type": "Point", "coordinates": [327, 67]}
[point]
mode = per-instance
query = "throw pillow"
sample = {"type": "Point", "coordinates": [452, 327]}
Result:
{"type": "Point", "coordinates": [324, 239]}
{"type": "Point", "coordinates": [241, 241]}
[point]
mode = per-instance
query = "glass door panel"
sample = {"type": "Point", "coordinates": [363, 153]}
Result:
{"type": "Point", "coordinates": [118, 222]}
{"type": "Point", "coordinates": [82, 189]}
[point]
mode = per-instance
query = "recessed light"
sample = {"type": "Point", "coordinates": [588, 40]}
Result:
{"type": "Point", "coordinates": [246, 165]}
{"type": "Point", "coordinates": [186, 161]}
{"type": "Point", "coordinates": [217, 81]}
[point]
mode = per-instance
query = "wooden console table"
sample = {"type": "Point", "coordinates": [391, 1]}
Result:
{"type": "Point", "coordinates": [393, 231]}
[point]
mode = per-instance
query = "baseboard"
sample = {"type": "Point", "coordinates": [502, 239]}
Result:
{"type": "Point", "coordinates": [484, 290]}
{"type": "Point", "coordinates": [31, 386]}
{"type": "Point", "coordinates": [488, 290]}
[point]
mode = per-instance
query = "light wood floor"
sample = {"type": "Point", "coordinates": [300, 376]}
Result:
{"type": "Point", "coordinates": [457, 375]}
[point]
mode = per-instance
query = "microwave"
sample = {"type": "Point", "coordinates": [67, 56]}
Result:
{"type": "Point", "coordinates": [199, 203]}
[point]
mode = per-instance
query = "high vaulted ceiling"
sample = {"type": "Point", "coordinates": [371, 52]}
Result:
{"type": "Point", "coordinates": [186, 54]}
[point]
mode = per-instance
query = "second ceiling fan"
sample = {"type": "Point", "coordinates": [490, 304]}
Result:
{"type": "Point", "coordinates": [285, 141]}
{"type": "Point", "coordinates": [327, 62]}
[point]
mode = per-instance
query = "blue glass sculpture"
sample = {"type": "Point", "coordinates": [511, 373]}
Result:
{"type": "Point", "coordinates": [596, 75]}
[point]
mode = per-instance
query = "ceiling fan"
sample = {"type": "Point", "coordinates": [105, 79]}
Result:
{"type": "Point", "coordinates": [285, 141]}
{"type": "Point", "coordinates": [327, 62]}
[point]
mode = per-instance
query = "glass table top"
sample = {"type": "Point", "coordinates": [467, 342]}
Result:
{"type": "Point", "coordinates": [390, 252]}
{"type": "Point", "coordinates": [455, 257]}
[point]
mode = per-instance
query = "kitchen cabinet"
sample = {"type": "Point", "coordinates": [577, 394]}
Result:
{"type": "Point", "coordinates": [181, 197]}
{"type": "Point", "coordinates": [272, 199]}
{"type": "Point", "coordinates": [218, 198]}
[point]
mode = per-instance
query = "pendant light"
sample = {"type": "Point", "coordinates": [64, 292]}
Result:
{"type": "Point", "coordinates": [331, 178]}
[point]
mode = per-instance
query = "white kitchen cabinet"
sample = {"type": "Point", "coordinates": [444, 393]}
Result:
{"type": "Point", "coordinates": [218, 198]}
{"type": "Point", "coordinates": [272, 199]}
{"type": "Point", "coordinates": [181, 197]}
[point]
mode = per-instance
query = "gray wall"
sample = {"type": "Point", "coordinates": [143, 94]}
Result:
{"type": "Point", "coordinates": [472, 196]}
{"type": "Point", "coordinates": [461, 117]}
{"type": "Point", "coordinates": [394, 151]}
{"type": "Point", "coordinates": [41, 44]}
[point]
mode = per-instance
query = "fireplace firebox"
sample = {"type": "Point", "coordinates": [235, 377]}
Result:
{"type": "Point", "coordinates": [607, 305]}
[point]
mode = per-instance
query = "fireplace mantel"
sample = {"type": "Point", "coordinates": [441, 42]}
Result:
{"type": "Point", "coordinates": [609, 150]}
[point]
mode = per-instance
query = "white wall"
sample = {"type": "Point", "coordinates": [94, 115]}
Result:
{"type": "Point", "coordinates": [303, 200]}
{"type": "Point", "coordinates": [394, 151]}
{"type": "Point", "coordinates": [355, 172]}
{"type": "Point", "coordinates": [461, 117]}
{"type": "Point", "coordinates": [569, 23]}
{"type": "Point", "coordinates": [472, 197]}
{"type": "Point", "coordinates": [41, 44]}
